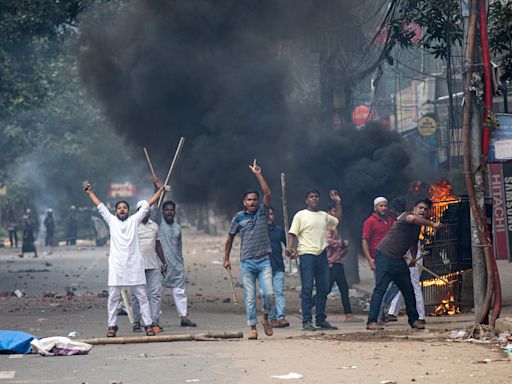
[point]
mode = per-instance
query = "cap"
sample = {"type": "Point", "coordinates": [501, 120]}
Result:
{"type": "Point", "coordinates": [379, 200]}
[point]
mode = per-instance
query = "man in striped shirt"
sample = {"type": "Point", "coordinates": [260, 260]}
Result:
{"type": "Point", "coordinates": [255, 250]}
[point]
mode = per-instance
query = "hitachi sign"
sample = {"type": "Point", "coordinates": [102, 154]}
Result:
{"type": "Point", "coordinates": [500, 219]}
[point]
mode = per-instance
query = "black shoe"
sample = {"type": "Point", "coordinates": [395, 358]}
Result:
{"type": "Point", "coordinates": [122, 312]}
{"type": "Point", "coordinates": [324, 324]}
{"type": "Point", "coordinates": [308, 326]}
{"type": "Point", "coordinates": [391, 318]}
{"type": "Point", "coordinates": [136, 327]}
{"type": "Point", "coordinates": [188, 323]}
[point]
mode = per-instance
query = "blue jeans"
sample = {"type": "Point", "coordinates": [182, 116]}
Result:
{"type": "Point", "coordinates": [389, 270]}
{"type": "Point", "coordinates": [314, 269]}
{"type": "Point", "coordinates": [388, 298]}
{"type": "Point", "coordinates": [278, 312]}
{"type": "Point", "coordinates": [261, 270]}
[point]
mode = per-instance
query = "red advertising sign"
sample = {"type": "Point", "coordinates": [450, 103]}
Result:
{"type": "Point", "coordinates": [361, 114]}
{"type": "Point", "coordinates": [501, 189]}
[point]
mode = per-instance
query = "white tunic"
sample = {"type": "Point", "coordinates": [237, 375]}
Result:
{"type": "Point", "coordinates": [125, 262]}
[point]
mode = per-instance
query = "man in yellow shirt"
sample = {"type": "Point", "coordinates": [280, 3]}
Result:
{"type": "Point", "coordinates": [308, 228]}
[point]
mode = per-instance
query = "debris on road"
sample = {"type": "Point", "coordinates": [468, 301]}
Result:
{"type": "Point", "coordinates": [289, 376]}
{"type": "Point", "coordinates": [60, 346]}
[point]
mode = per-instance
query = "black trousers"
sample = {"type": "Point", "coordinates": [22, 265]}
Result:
{"type": "Point", "coordinates": [337, 275]}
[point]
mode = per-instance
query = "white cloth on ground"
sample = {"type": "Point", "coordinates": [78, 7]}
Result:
{"type": "Point", "coordinates": [114, 296]}
{"type": "Point", "coordinates": [398, 300]}
{"type": "Point", "coordinates": [125, 263]}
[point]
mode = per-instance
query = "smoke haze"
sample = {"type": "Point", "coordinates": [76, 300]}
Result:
{"type": "Point", "coordinates": [215, 72]}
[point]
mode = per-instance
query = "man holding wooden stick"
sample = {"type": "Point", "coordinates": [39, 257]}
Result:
{"type": "Point", "coordinates": [125, 263]}
{"type": "Point", "coordinates": [169, 232]}
{"type": "Point", "coordinates": [255, 251]}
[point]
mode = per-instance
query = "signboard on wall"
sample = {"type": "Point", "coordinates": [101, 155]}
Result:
{"type": "Point", "coordinates": [122, 190]}
{"type": "Point", "coordinates": [500, 148]}
{"type": "Point", "coordinates": [501, 189]}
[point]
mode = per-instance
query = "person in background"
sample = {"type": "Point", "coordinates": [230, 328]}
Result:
{"type": "Point", "coordinates": [72, 226]}
{"type": "Point", "coordinates": [49, 224]}
{"type": "Point", "coordinates": [29, 236]}
{"type": "Point", "coordinates": [13, 234]}
{"type": "Point", "coordinates": [336, 250]}
{"type": "Point", "coordinates": [277, 239]}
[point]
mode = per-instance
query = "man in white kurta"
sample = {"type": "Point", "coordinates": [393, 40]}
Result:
{"type": "Point", "coordinates": [125, 262]}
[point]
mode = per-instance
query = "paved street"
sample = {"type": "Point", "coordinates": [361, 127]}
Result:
{"type": "Point", "coordinates": [349, 355]}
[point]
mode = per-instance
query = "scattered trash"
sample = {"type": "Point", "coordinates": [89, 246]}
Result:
{"type": "Point", "coordinates": [289, 376]}
{"type": "Point", "coordinates": [217, 262]}
{"type": "Point", "coordinates": [192, 380]}
{"type": "Point", "coordinates": [116, 382]}
{"type": "Point", "coordinates": [103, 293]}
{"type": "Point", "coordinates": [351, 367]}
{"type": "Point", "coordinates": [507, 349]}
{"type": "Point", "coordinates": [387, 382]}
{"type": "Point", "coordinates": [19, 293]}
{"type": "Point", "coordinates": [60, 346]}
{"type": "Point", "coordinates": [15, 341]}
{"type": "Point", "coordinates": [458, 334]}
{"type": "Point", "coordinates": [226, 300]}
{"type": "Point", "coordinates": [15, 356]}
{"type": "Point", "coordinates": [73, 334]}
{"type": "Point", "coordinates": [49, 294]}
{"type": "Point", "coordinates": [144, 355]}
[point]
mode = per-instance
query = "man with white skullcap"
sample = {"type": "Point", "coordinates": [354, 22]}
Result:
{"type": "Point", "coordinates": [375, 228]}
{"type": "Point", "coordinates": [151, 250]}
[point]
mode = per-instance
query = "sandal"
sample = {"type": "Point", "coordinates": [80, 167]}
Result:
{"type": "Point", "coordinates": [149, 330]}
{"type": "Point", "coordinates": [111, 332]}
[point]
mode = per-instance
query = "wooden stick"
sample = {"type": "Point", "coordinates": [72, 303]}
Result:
{"type": "Point", "coordinates": [208, 336]}
{"type": "Point", "coordinates": [285, 219]}
{"type": "Point", "coordinates": [437, 276]}
{"type": "Point", "coordinates": [126, 302]}
{"type": "Point", "coordinates": [233, 292]}
{"type": "Point", "coordinates": [149, 163]}
{"type": "Point", "coordinates": [173, 163]}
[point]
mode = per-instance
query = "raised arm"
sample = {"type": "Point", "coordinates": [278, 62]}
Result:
{"type": "Point", "coordinates": [336, 199]}
{"type": "Point", "coordinates": [87, 186]}
{"type": "Point", "coordinates": [256, 169]}
{"type": "Point", "coordinates": [155, 197]}
{"type": "Point", "coordinates": [418, 220]}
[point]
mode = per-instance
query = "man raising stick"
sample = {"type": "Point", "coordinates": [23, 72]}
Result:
{"type": "Point", "coordinates": [125, 263]}
{"type": "Point", "coordinates": [309, 227]}
{"type": "Point", "coordinates": [255, 250]}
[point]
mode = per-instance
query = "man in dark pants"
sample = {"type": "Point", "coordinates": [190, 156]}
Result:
{"type": "Point", "coordinates": [308, 229]}
{"type": "Point", "coordinates": [390, 264]}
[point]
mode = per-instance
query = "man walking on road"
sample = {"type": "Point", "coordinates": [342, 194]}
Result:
{"type": "Point", "coordinates": [309, 227]}
{"type": "Point", "coordinates": [125, 263]}
{"type": "Point", "coordinates": [255, 251]}
{"type": "Point", "coordinates": [390, 265]}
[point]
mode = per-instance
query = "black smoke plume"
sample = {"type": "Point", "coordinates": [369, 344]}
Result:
{"type": "Point", "coordinates": [214, 71]}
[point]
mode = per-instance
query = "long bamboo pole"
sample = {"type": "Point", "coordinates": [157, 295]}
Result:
{"type": "Point", "coordinates": [468, 167]}
{"type": "Point", "coordinates": [285, 219]}
{"type": "Point", "coordinates": [207, 336]}
{"type": "Point", "coordinates": [149, 163]}
{"type": "Point", "coordinates": [171, 168]}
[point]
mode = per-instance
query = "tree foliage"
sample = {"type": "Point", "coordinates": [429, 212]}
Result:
{"type": "Point", "coordinates": [500, 35]}
{"type": "Point", "coordinates": [439, 23]}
